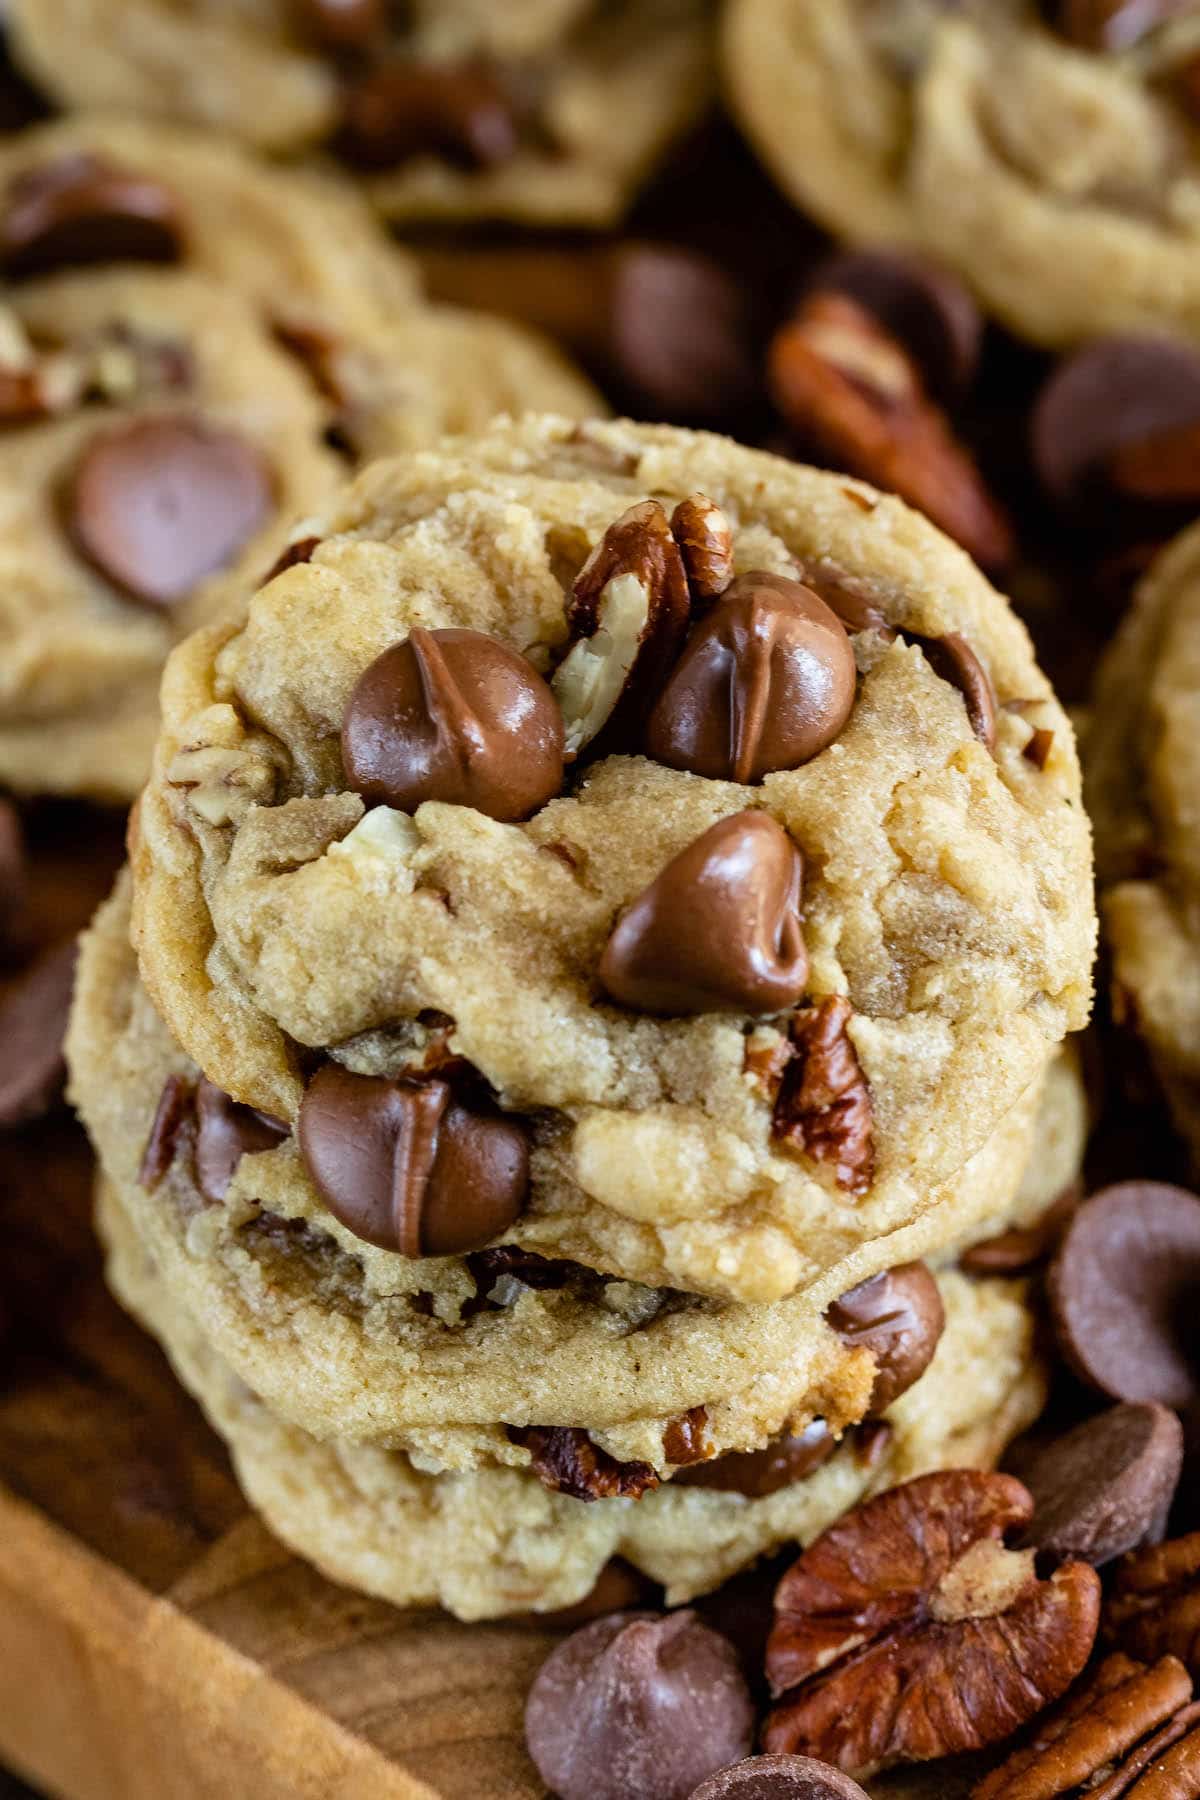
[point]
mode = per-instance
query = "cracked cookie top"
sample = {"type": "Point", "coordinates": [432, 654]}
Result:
{"type": "Point", "coordinates": [445, 860]}
{"type": "Point", "coordinates": [1050, 154]}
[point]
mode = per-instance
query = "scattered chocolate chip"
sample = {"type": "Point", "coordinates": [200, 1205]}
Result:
{"type": "Point", "coordinates": [824, 1106]}
{"type": "Point", "coordinates": [684, 1440]}
{"type": "Point", "coordinates": [718, 931]}
{"type": "Point", "coordinates": [412, 1166]}
{"type": "Point", "coordinates": [341, 24]}
{"type": "Point", "coordinates": [871, 1442]}
{"type": "Point", "coordinates": [952, 658]}
{"type": "Point", "coordinates": [779, 1778]}
{"type": "Point", "coordinates": [756, 1473]}
{"type": "Point", "coordinates": [856, 600]}
{"type": "Point", "coordinates": [291, 556]}
{"type": "Point", "coordinates": [173, 1117]}
{"type": "Point", "coordinates": [1115, 392]}
{"type": "Point", "coordinates": [158, 503]}
{"type": "Point", "coordinates": [566, 1461]}
{"type": "Point", "coordinates": [679, 334]}
{"type": "Point", "coordinates": [33, 1020]}
{"type": "Point", "coordinates": [1037, 750]}
{"type": "Point", "coordinates": [454, 716]}
{"type": "Point", "coordinates": [930, 311]}
{"type": "Point", "coordinates": [637, 1705]}
{"type": "Point", "coordinates": [82, 209]}
{"type": "Point", "coordinates": [705, 540]}
{"type": "Point", "coordinates": [1011, 1252]}
{"type": "Point", "coordinates": [225, 1132]}
{"type": "Point", "coordinates": [897, 1316]}
{"type": "Point", "coordinates": [461, 112]}
{"type": "Point", "coordinates": [1125, 1293]}
{"type": "Point", "coordinates": [766, 682]}
{"type": "Point", "coordinates": [13, 886]}
{"type": "Point", "coordinates": [1107, 1486]}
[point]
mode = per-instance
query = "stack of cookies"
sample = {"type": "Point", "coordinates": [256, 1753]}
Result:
{"type": "Point", "coordinates": [576, 1058]}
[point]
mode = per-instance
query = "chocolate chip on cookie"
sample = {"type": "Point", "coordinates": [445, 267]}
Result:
{"type": "Point", "coordinates": [225, 1132]}
{"type": "Point", "coordinates": [82, 208]}
{"type": "Point", "coordinates": [951, 657]}
{"type": "Point", "coordinates": [638, 1704]}
{"type": "Point", "coordinates": [898, 1316]}
{"type": "Point", "coordinates": [1107, 1486]}
{"type": "Point", "coordinates": [766, 682]}
{"type": "Point", "coordinates": [719, 930]}
{"type": "Point", "coordinates": [411, 1165]}
{"type": "Point", "coordinates": [757, 1473]}
{"type": "Point", "coordinates": [1125, 1293]}
{"type": "Point", "coordinates": [454, 716]}
{"type": "Point", "coordinates": [160, 502]}
{"type": "Point", "coordinates": [462, 112]}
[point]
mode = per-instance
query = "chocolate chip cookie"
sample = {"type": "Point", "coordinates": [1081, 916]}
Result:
{"type": "Point", "coordinates": [496, 1541]}
{"type": "Point", "coordinates": [675, 801]}
{"type": "Point", "coordinates": [1047, 153]}
{"type": "Point", "coordinates": [546, 111]}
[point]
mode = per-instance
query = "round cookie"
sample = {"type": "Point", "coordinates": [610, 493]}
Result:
{"type": "Point", "coordinates": [496, 1542]}
{"type": "Point", "coordinates": [947, 917]}
{"type": "Point", "coordinates": [1143, 784]}
{"type": "Point", "coordinates": [543, 113]}
{"type": "Point", "coordinates": [1056, 169]}
{"type": "Point", "coordinates": [440, 1355]}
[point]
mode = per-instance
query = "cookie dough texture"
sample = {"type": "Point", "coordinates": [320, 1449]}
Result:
{"type": "Point", "coordinates": [495, 1542]}
{"type": "Point", "coordinates": [347, 1341]}
{"type": "Point", "coordinates": [947, 893]}
{"type": "Point", "coordinates": [1144, 791]}
{"type": "Point", "coordinates": [599, 90]}
{"type": "Point", "coordinates": [1062, 183]}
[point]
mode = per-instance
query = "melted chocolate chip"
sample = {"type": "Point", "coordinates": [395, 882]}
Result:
{"type": "Point", "coordinates": [461, 112]}
{"type": "Point", "coordinates": [173, 1118]}
{"type": "Point", "coordinates": [412, 1166]}
{"type": "Point", "coordinates": [158, 503]}
{"type": "Point", "coordinates": [637, 1705]}
{"type": "Point", "coordinates": [454, 716]}
{"type": "Point", "coordinates": [951, 657]}
{"type": "Point", "coordinates": [225, 1132]}
{"type": "Point", "coordinates": [757, 1473]}
{"type": "Point", "coordinates": [898, 1316]}
{"type": "Point", "coordinates": [83, 209]}
{"type": "Point", "coordinates": [766, 682]}
{"type": "Point", "coordinates": [718, 931]}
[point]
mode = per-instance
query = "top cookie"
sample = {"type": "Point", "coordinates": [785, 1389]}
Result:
{"type": "Point", "coordinates": [1048, 154]}
{"type": "Point", "coordinates": [540, 110]}
{"type": "Point", "coordinates": [753, 994]}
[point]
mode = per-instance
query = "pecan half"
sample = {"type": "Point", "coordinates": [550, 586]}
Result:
{"type": "Point", "coordinates": [628, 612]}
{"type": "Point", "coordinates": [908, 1631]}
{"type": "Point", "coordinates": [824, 1103]}
{"type": "Point", "coordinates": [566, 1461]}
{"type": "Point", "coordinates": [1154, 1607]}
{"type": "Point", "coordinates": [1103, 1737]}
{"type": "Point", "coordinates": [854, 395]}
{"type": "Point", "coordinates": [705, 541]}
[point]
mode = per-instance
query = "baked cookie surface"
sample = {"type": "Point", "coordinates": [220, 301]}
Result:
{"type": "Point", "coordinates": [1055, 167]}
{"type": "Point", "coordinates": [947, 925]}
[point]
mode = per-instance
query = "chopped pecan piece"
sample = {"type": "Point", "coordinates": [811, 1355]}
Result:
{"type": "Point", "coordinates": [705, 542]}
{"type": "Point", "coordinates": [824, 1103]}
{"type": "Point", "coordinates": [908, 1631]}
{"type": "Point", "coordinates": [628, 612]}
{"type": "Point", "coordinates": [851, 392]}
{"type": "Point", "coordinates": [1154, 1607]}
{"type": "Point", "coordinates": [1098, 1741]}
{"type": "Point", "coordinates": [684, 1440]}
{"type": "Point", "coordinates": [566, 1461]}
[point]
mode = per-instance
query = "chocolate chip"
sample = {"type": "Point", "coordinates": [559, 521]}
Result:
{"type": "Point", "coordinates": [1115, 392]}
{"type": "Point", "coordinates": [82, 209]}
{"type": "Point", "coordinates": [898, 1316]}
{"type": "Point", "coordinates": [461, 112]}
{"type": "Point", "coordinates": [1107, 1486]}
{"type": "Point", "coordinates": [291, 557]}
{"type": "Point", "coordinates": [951, 657]}
{"type": "Point", "coordinates": [766, 681]}
{"type": "Point", "coordinates": [225, 1132]}
{"type": "Point", "coordinates": [637, 1705]}
{"type": "Point", "coordinates": [341, 24]}
{"type": "Point", "coordinates": [679, 335]}
{"type": "Point", "coordinates": [718, 931]}
{"type": "Point", "coordinates": [1125, 1293]}
{"type": "Point", "coordinates": [756, 1473]}
{"type": "Point", "coordinates": [1012, 1252]}
{"type": "Point", "coordinates": [174, 1117]}
{"type": "Point", "coordinates": [158, 503]}
{"type": "Point", "coordinates": [566, 1461]}
{"type": "Point", "coordinates": [33, 1020]}
{"type": "Point", "coordinates": [926, 308]}
{"type": "Point", "coordinates": [412, 1166]}
{"type": "Point", "coordinates": [454, 716]}
{"type": "Point", "coordinates": [779, 1778]}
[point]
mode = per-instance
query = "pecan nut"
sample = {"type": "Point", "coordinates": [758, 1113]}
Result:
{"type": "Point", "coordinates": [1154, 1607]}
{"type": "Point", "coordinates": [628, 612]}
{"type": "Point", "coordinates": [851, 392]}
{"type": "Point", "coordinates": [1105, 1735]}
{"type": "Point", "coordinates": [909, 1631]}
{"type": "Point", "coordinates": [705, 542]}
{"type": "Point", "coordinates": [566, 1461]}
{"type": "Point", "coordinates": [823, 1106]}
